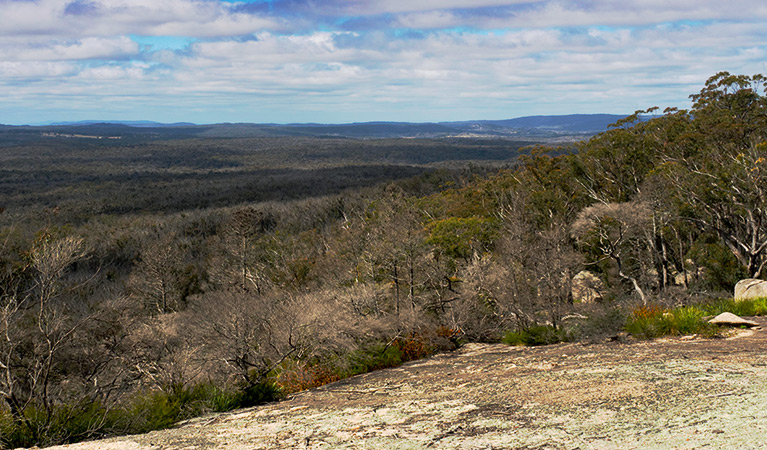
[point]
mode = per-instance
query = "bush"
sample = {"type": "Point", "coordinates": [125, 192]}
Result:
{"type": "Point", "coordinates": [646, 322]}
{"type": "Point", "coordinates": [156, 410]}
{"type": "Point", "coordinates": [66, 424]}
{"type": "Point", "coordinates": [536, 335]}
{"type": "Point", "coordinates": [721, 269]}
{"type": "Point", "coordinates": [293, 377]}
{"type": "Point", "coordinates": [652, 321]}
{"type": "Point", "coordinates": [750, 307]}
{"type": "Point", "coordinates": [257, 394]}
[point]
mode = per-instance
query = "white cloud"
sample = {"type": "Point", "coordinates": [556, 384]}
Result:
{"type": "Point", "coordinates": [369, 7]}
{"type": "Point", "coordinates": [33, 70]}
{"type": "Point", "coordinates": [83, 18]}
{"type": "Point", "coordinates": [540, 57]}
{"type": "Point", "coordinates": [626, 13]}
{"type": "Point", "coordinates": [85, 49]}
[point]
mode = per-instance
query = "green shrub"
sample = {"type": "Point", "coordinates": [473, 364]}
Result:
{"type": "Point", "coordinates": [257, 393]}
{"type": "Point", "coordinates": [536, 335]}
{"type": "Point", "coordinates": [750, 307]}
{"type": "Point", "coordinates": [374, 357]}
{"type": "Point", "coordinates": [225, 400]}
{"type": "Point", "coordinates": [156, 410]}
{"type": "Point", "coordinates": [689, 320]}
{"type": "Point", "coordinates": [652, 321]}
{"type": "Point", "coordinates": [65, 424]}
{"type": "Point", "coordinates": [647, 322]}
{"type": "Point", "coordinates": [722, 269]}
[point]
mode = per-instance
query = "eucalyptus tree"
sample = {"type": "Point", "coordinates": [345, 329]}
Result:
{"type": "Point", "coordinates": [721, 182]}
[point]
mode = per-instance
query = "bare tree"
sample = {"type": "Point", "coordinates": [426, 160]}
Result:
{"type": "Point", "coordinates": [525, 281]}
{"type": "Point", "coordinates": [156, 278]}
{"type": "Point", "coordinates": [622, 234]}
{"type": "Point", "coordinates": [35, 329]}
{"type": "Point", "coordinates": [250, 335]}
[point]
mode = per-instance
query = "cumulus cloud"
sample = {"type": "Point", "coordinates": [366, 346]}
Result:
{"type": "Point", "coordinates": [82, 18]}
{"type": "Point", "coordinates": [367, 60]}
{"type": "Point", "coordinates": [116, 48]}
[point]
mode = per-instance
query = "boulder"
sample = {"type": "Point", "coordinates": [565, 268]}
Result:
{"type": "Point", "coordinates": [587, 287]}
{"type": "Point", "coordinates": [730, 319]}
{"type": "Point", "coordinates": [750, 288]}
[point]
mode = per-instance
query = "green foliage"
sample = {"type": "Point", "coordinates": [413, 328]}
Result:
{"type": "Point", "coordinates": [461, 237]}
{"type": "Point", "coordinates": [721, 269]}
{"type": "Point", "coordinates": [652, 321]}
{"type": "Point", "coordinates": [255, 394]}
{"type": "Point", "coordinates": [151, 410]}
{"type": "Point", "coordinates": [383, 355]}
{"type": "Point", "coordinates": [375, 357]}
{"type": "Point", "coordinates": [66, 424]}
{"type": "Point", "coordinates": [749, 307]}
{"type": "Point", "coordinates": [536, 335]}
{"type": "Point", "coordinates": [155, 410]}
{"type": "Point", "coordinates": [160, 409]}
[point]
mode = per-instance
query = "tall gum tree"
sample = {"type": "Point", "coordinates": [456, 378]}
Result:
{"type": "Point", "coordinates": [722, 184]}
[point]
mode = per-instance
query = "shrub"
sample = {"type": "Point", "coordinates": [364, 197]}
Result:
{"type": "Point", "coordinates": [156, 410]}
{"type": "Point", "coordinates": [295, 377]}
{"type": "Point", "coordinates": [68, 423]}
{"type": "Point", "coordinates": [750, 307]}
{"type": "Point", "coordinates": [646, 322]}
{"type": "Point", "coordinates": [689, 320]}
{"type": "Point", "coordinates": [377, 356]}
{"type": "Point", "coordinates": [536, 335]}
{"type": "Point", "coordinates": [652, 321]}
{"type": "Point", "coordinates": [255, 394]}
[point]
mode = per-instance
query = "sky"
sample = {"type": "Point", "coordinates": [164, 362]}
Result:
{"type": "Point", "coordinates": [339, 61]}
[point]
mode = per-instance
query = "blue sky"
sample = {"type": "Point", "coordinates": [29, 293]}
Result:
{"type": "Point", "coordinates": [210, 61]}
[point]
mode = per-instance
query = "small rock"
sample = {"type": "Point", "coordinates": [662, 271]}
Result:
{"type": "Point", "coordinates": [622, 336]}
{"type": "Point", "coordinates": [730, 319]}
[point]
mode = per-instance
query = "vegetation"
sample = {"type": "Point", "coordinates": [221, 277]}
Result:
{"type": "Point", "coordinates": [147, 280]}
{"type": "Point", "coordinates": [536, 335]}
{"type": "Point", "coordinates": [651, 321]}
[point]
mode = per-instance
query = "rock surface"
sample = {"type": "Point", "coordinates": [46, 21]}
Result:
{"type": "Point", "coordinates": [666, 394]}
{"type": "Point", "coordinates": [750, 288]}
{"type": "Point", "coordinates": [730, 319]}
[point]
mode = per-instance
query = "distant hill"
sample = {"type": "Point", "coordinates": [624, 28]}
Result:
{"type": "Point", "coordinates": [351, 130]}
{"type": "Point", "coordinates": [536, 128]}
{"type": "Point", "coordinates": [130, 123]}
{"type": "Point", "coordinates": [572, 123]}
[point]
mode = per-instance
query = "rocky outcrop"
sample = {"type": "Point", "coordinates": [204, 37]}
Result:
{"type": "Point", "coordinates": [750, 288]}
{"type": "Point", "coordinates": [669, 393]}
{"type": "Point", "coordinates": [731, 320]}
{"type": "Point", "coordinates": [587, 287]}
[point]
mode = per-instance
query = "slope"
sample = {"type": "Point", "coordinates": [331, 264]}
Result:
{"type": "Point", "coordinates": [671, 393]}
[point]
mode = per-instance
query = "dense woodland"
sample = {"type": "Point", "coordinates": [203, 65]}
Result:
{"type": "Point", "coordinates": [142, 282]}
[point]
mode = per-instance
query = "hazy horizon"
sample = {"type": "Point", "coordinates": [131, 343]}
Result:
{"type": "Point", "coordinates": [141, 122]}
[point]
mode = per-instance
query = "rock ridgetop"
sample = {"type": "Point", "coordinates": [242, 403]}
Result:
{"type": "Point", "coordinates": [668, 393]}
